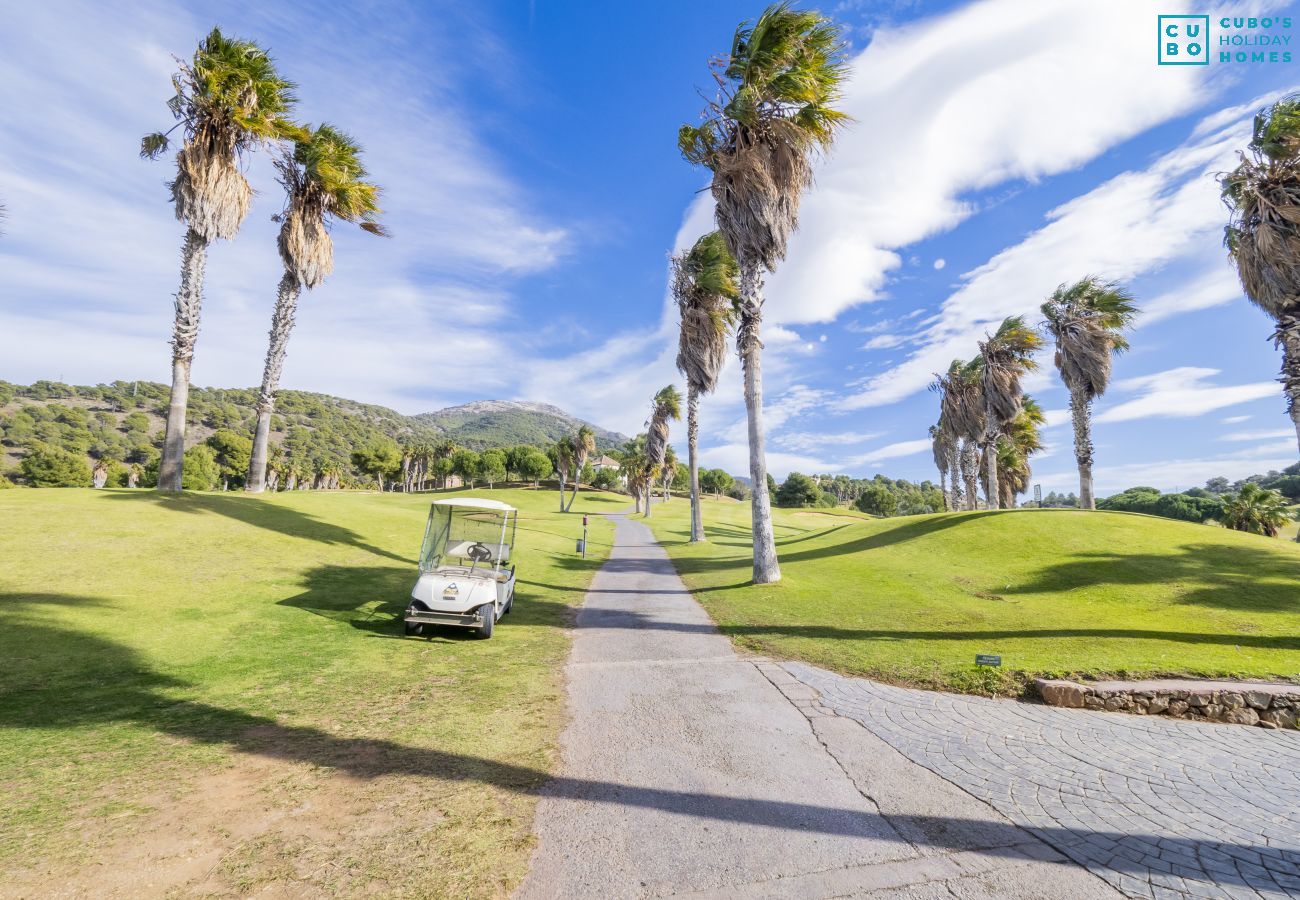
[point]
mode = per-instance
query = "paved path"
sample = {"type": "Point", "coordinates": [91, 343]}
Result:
{"type": "Point", "coordinates": [1157, 807]}
{"type": "Point", "coordinates": [690, 770]}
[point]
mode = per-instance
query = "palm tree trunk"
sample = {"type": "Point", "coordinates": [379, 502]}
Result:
{"type": "Point", "coordinates": [185, 332]}
{"type": "Point", "coordinates": [943, 488]}
{"type": "Point", "coordinates": [991, 493]}
{"type": "Point", "coordinates": [970, 456]}
{"type": "Point", "coordinates": [954, 467]}
{"type": "Point", "coordinates": [1081, 416]}
{"type": "Point", "coordinates": [286, 302]}
{"type": "Point", "coordinates": [1287, 337]}
{"type": "Point", "coordinates": [649, 495]}
{"type": "Point", "coordinates": [692, 442]}
{"type": "Point", "coordinates": [766, 567]}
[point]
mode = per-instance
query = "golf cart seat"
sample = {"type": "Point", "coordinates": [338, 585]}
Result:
{"type": "Point", "coordinates": [462, 550]}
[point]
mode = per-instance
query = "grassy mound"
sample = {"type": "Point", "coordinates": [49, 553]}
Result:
{"type": "Point", "coordinates": [212, 689]}
{"type": "Point", "coordinates": [1053, 591]}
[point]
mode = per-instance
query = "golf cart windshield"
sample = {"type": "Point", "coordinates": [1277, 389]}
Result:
{"type": "Point", "coordinates": [467, 536]}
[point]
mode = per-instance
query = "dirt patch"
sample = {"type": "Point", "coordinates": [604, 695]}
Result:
{"type": "Point", "coordinates": [284, 829]}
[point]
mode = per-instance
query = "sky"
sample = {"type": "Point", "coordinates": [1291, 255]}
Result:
{"type": "Point", "coordinates": [533, 188]}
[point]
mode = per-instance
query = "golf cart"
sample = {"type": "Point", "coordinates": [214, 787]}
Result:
{"type": "Point", "coordinates": [463, 576]}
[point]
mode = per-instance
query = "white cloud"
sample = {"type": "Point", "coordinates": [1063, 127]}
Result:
{"type": "Point", "coordinates": [1270, 435]}
{"type": "Point", "coordinates": [940, 263]}
{"type": "Point", "coordinates": [1236, 420]}
{"type": "Point", "coordinates": [1134, 223]}
{"type": "Point", "coordinates": [91, 251]}
{"type": "Point", "coordinates": [939, 109]}
{"type": "Point", "coordinates": [890, 451]}
{"type": "Point", "coordinates": [885, 342]}
{"type": "Point", "coordinates": [808, 441]}
{"type": "Point", "coordinates": [1180, 393]}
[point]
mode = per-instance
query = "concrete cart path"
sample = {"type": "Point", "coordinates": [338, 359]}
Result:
{"type": "Point", "coordinates": [688, 769]}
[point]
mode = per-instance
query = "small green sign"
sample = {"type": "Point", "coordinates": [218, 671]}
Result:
{"type": "Point", "coordinates": [987, 659]}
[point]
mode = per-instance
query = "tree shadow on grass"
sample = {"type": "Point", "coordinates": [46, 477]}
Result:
{"type": "Point", "coordinates": [118, 687]}
{"type": "Point", "coordinates": [259, 513]}
{"type": "Point", "coordinates": [898, 534]}
{"type": "Point", "coordinates": [1236, 578]}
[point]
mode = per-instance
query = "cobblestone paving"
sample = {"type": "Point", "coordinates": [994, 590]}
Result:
{"type": "Point", "coordinates": [1157, 807]}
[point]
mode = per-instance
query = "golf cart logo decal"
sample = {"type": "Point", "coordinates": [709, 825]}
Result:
{"type": "Point", "coordinates": [1184, 40]}
{"type": "Point", "coordinates": [451, 589]}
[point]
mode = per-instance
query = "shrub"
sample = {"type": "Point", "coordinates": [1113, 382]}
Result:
{"type": "Point", "coordinates": [48, 466]}
{"type": "Point", "coordinates": [877, 500]}
{"type": "Point", "coordinates": [798, 490]}
{"type": "Point", "coordinates": [200, 471]}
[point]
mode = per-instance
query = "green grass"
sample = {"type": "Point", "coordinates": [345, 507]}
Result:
{"type": "Point", "coordinates": [913, 599]}
{"type": "Point", "coordinates": [230, 669]}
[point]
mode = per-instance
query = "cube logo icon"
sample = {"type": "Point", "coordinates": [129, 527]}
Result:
{"type": "Point", "coordinates": [1183, 40]}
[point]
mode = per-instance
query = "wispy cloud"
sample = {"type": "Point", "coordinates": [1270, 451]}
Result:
{"type": "Point", "coordinates": [1181, 393]}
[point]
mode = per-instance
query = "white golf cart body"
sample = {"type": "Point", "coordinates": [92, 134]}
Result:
{"type": "Point", "coordinates": [466, 578]}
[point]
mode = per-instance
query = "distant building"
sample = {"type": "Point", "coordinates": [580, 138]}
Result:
{"type": "Point", "coordinates": [605, 462]}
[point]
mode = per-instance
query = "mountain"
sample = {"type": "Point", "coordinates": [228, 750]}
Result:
{"type": "Point", "coordinates": [500, 423]}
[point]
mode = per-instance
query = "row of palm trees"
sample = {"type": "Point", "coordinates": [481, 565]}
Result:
{"type": "Point", "coordinates": [230, 101]}
{"type": "Point", "coordinates": [987, 422]}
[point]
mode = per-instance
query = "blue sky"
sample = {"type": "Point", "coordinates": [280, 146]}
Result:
{"type": "Point", "coordinates": [534, 191]}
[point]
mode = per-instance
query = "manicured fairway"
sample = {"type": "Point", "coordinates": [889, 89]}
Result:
{"type": "Point", "coordinates": [913, 599]}
{"type": "Point", "coordinates": [208, 693]}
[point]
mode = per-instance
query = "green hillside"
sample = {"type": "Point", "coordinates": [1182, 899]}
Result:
{"type": "Point", "coordinates": [125, 420]}
{"type": "Point", "coordinates": [913, 599]}
{"type": "Point", "coordinates": [220, 680]}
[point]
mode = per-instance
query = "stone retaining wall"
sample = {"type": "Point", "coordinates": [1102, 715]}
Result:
{"type": "Point", "coordinates": [1246, 706]}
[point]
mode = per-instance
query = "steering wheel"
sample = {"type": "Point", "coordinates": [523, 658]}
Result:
{"type": "Point", "coordinates": [479, 552]}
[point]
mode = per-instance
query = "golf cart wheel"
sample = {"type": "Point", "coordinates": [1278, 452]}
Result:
{"type": "Point", "coordinates": [489, 619]}
{"type": "Point", "coordinates": [413, 628]}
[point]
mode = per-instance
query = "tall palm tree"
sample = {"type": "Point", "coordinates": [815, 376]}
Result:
{"type": "Point", "coordinates": [324, 182]}
{"type": "Point", "coordinates": [774, 111]}
{"type": "Point", "coordinates": [706, 289]}
{"type": "Point", "coordinates": [667, 406]}
{"type": "Point", "coordinates": [636, 467]}
{"type": "Point", "coordinates": [584, 444]}
{"type": "Point", "coordinates": [1087, 320]}
{"type": "Point", "coordinates": [1005, 357]}
{"type": "Point", "coordinates": [229, 100]}
{"type": "Point", "coordinates": [1263, 233]}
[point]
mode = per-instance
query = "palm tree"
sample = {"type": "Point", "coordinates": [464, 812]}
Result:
{"type": "Point", "coordinates": [773, 112]}
{"type": "Point", "coordinates": [1087, 319]}
{"type": "Point", "coordinates": [1013, 450]}
{"type": "Point", "coordinates": [584, 444]}
{"type": "Point", "coordinates": [636, 467]}
{"type": "Point", "coordinates": [1256, 510]}
{"type": "Point", "coordinates": [667, 406]}
{"type": "Point", "coordinates": [563, 465]}
{"type": "Point", "coordinates": [1005, 357]}
{"type": "Point", "coordinates": [668, 472]}
{"type": "Point", "coordinates": [705, 287]}
{"type": "Point", "coordinates": [961, 416]}
{"type": "Point", "coordinates": [941, 449]}
{"type": "Point", "coordinates": [1263, 233]}
{"type": "Point", "coordinates": [229, 100]}
{"type": "Point", "coordinates": [324, 182]}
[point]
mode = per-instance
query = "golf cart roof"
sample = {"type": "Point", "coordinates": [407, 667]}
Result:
{"type": "Point", "coordinates": [475, 503]}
